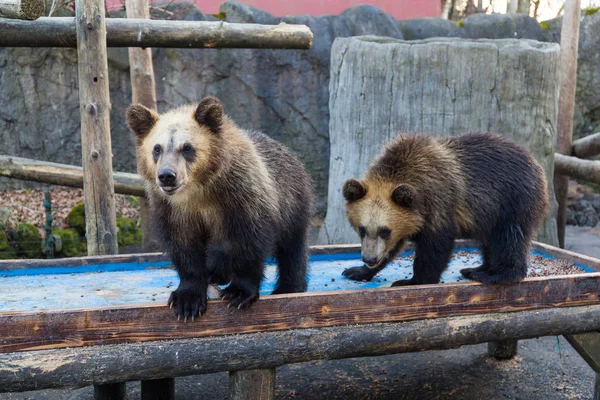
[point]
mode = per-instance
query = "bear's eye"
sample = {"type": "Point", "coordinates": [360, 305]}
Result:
{"type": "Point", "coordinates": [157, 150]}
{"type": "Point", "coordinates": [187, 148]}
{"type": "Point", "coordinates": [385, 233]}
{"type": "Point", "coordinates": [361, 231]}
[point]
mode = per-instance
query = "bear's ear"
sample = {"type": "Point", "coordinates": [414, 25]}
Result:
{"type": "Point", "coordinates": [404, 195]}
{"type": "Point", "coordinates": [353, 190]}
{"type": "Point", "coordinates": [210, 113]}
{"type": "Point", "coordinates": [140, 120]}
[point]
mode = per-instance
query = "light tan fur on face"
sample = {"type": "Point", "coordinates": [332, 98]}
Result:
{"type": "Point", "coordinates": [377, 210]}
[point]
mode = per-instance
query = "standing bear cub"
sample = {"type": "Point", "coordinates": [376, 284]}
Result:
{"type": "Point", "coordinates": [433, 190]}
{"type": "Point", "coordinates": [222, 200]}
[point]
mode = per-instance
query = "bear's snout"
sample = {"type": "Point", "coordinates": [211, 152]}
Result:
{"type": "Point", "coordinates": [167, 177]}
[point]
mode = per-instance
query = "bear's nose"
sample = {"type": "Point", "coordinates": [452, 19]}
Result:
{"type": "Point", "coordinates": [369, 260]}
{"type": "Point", "coordinates": [167, 177]}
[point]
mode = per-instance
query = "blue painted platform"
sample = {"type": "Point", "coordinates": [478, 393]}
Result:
{"type": "Point", "coordinates": [104, 285]}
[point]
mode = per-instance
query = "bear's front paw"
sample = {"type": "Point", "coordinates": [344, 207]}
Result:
{"type": "Point", "coordinates": [187, 303]}
{"type": "Point", "coordinates": [239, 297]}
{"type": "Point", "coordinates": [404, 282]}
{"type": "Point", "coordinates": [363, 273]}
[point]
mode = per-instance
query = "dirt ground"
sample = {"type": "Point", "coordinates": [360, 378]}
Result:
{"type": "Point", "coordinates": [546, 368]}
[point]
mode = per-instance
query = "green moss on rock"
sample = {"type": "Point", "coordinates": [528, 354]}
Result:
{"type": "Point", "coordinates": [592, 10]}
{"type": "Point", "coordinates": [129, 232]}
{"type": "Point", "coordinates": [73, 244]}
{"type": "Point", "coordinates": [76, 218]}
{"type": "Point", "coordinates": [28, 240]}
{"type": "Point", "coordinates": [460, 24]}
{"type": "Point", "coordinates": [545, 25]}
{"type": "Point", "coordinates": [6, 250]}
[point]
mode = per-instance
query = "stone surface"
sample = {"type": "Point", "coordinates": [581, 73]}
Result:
{"type": "Point", "coordinates": [502, 26]}
{"type": "Point", "coordinates": [380, 87]}
{"type": "Point", "coordinates": [423, 28]}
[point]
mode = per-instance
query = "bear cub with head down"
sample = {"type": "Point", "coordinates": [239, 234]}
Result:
{"type": "Point", "coordinates": [433, 190]}
{"type": "Point", "coordinates": [222, 200]}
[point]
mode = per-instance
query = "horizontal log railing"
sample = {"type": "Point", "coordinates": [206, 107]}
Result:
{"type": "Point", "coordinates": [65, 175]}
{"type": "Point", "coordinates": [584, 170]}
{"type": "Point", "coordinates": [128, 32]}
{"type": "Point", "coordinates": [586, 147]}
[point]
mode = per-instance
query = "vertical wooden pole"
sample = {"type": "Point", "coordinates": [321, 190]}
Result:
{"type": "Point", "coordinates": [569, 43]}
{"type": "Point", "coordinates": [110, 391]}
{"type": "Point", "coordinates": [96, 149]}
{"type": "Point", "coordinates": [255, 384]}
{"type": "Point", "coordinates": [597, 388]}
{"type": "Point", "coordinates": [98, 187]}
{"type": "Point", "coordinates": [143, 91]}
{"type": "Point", "coordinates": [503, 349]}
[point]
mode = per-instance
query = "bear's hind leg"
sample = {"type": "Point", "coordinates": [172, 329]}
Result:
{"type": "Point", "coordinates": [243, 290]}
{"type": "Point", "coordinates": [468, 272]}
{"type": "Point", "coordinates": [508, 250]}
{"type": "Point", "coordinates": [292, 264]}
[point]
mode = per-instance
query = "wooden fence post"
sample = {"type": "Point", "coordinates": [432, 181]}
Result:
{"type": "Point", "coordinates": [254, 384]}
{"type": "Point", "coordinates": [569, 43]}
{"type": "Point", "coordinates": [143, 91]}
{"type": "Point", "coordinates": [98, 187]}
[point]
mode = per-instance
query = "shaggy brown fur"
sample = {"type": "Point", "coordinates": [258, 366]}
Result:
{"type": "Point", "coordinates": [433, 190]}
{"type": "Point", "coordinates": [222, 200]}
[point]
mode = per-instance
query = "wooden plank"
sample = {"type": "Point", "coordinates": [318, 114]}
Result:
{"type": "Point", "coordinates": [23, 331]}
{"type": "Point", "coordinates": [83, 366]}
{"type": "Point", "coordinates": [125, 32]}
{"type": "Point", "coordinates": [22, 9]}
{"type": "Point", "coordinates": [588, 346]}
{"type": "Point", "coordinates": [98, 186]}
{"type": "Point", "coordinates": [65, 175]}
{"type": "Point", "coordinates": [586, 147]}
{"type": "Point", "coordinates": [254, 384]}
{"type": "Point", "coordinates": [569, 42]}
{"type": "Point", "coordinates": [143, 91]}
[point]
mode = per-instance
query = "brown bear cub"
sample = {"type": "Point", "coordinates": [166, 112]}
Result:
{"type": "Point", "coordinates": [433, 190]}
{"type": "Point", "coordinates": [222, 200]}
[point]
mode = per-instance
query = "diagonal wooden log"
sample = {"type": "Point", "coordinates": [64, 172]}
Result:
{"type": "Point", "coordinates": [585, 170]}
{"type": "Point", "coordinates": [64, 175]}
{"type": "Point", "coordinates": [586, 147]}
{"type": "Point", "coordinates": [126, 32]}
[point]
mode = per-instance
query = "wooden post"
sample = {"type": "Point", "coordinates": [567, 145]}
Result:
{"type": "Point", "coordinates": [254, 384]}
{"type": "Point", "coordinates": [569, 43]}
{"type": "Point", "coordinates": [503, 349]}
{"type": "Point", "coordinates": [22, 9]}
{"type": "Point", "coordinates": [110, 391]}
{"type": "Point", "coordinates": [158, 389]}
{"type": "Point", "coordinates": [98, 187]}
{"type": "Point", "coordinates": [143, 91]}
{"type": "Point", "coordinates": [597, 388]}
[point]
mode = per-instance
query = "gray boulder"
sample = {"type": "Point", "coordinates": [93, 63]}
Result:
{"type": "Point", "coordinates": [425, 28]}
{"type": "Point", "coordinates": [502, 26]}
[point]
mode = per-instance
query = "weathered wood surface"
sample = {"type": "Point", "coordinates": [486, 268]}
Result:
{"type": "Point", "coordinates": [24, 331]}
{"type": "Point", "coordinates": [143, 91]}
{"type": "Point", "coordinates": [125, 32]}
{"type": "Point", "coordinates": [597, 388]}
{"type": "Point", "coordinates": [64, 175]}
{"type": "Point", "coordinates": [588, 346]}
{"type": "Point", "coordinates": [254, 384]}
{"type": "Point", "coordinates": [94, 100]}
{"type": "Point", "coordinates": [380, 87]}
{"type": "Point", "coordinates": [569, 42]}
{"type": "Point", "coordinates": [77, 367]}
{"type": "Point", "coordinates": [22, 9]}
{"type": "Point", "coordinates": [585, 170]}
{"type": "Point", "coordinates": [503, 349]}
{"type": "Point", "coordinates": [586, 147]}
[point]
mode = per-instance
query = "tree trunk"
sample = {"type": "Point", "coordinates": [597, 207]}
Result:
{"type": "Point", "coordinates": [448, 87]}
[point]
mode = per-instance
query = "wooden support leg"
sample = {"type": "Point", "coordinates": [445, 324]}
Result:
{"type": "Point", "coordinates": [588, 346]}
{"type": "Point", "coordinates": [254, 384]}
{"type": "Point", "coordinates": [503, 349]}
{"type": "Point", "coordinates": [597, 388]}
{"type": "Point", "coordinates": [158, 389]}
{"type": "Point", "coordinates": [110, 391]}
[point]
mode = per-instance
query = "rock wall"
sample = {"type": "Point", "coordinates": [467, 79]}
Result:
{"type": "Point", "coordinates": [284, 93]}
